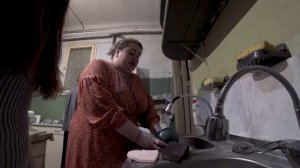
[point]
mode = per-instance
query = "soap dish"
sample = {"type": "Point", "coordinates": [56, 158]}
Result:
{"type": "Point", "coordinates": [265, 57]}
{"type": "Point", "coordinates": [214, 82]}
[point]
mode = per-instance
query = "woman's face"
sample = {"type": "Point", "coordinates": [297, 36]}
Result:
{"type": "Point", "coordinates": [127, 59]}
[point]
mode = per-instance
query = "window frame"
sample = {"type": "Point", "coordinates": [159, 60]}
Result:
{"type": "Point", "coordinates": [66, 57]}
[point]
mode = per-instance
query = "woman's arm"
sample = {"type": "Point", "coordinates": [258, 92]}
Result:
{"type": "Point", "coordinates": [97, 101]}
{"type": "Point", "coordinates": [155, 127]}
{"type": "Point", "coordinates": [143, 139]}
{"type": "Point", "coordinates": [150, 119]}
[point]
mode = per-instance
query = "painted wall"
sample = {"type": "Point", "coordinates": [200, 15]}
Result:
{"type": "Point", "coordinates": [49, 109]}
{"type": "Point", "coordinates": [154, 69]}
{"type": "Point", "coordinates": [261, 109]}
{"type": "Point", "coordinates": [275, 21]}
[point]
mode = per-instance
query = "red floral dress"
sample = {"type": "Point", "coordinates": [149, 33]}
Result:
{"type": "Point", "coordinates": [105, 102]}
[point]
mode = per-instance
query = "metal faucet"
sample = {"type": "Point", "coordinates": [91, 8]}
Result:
{"type": "Point", "coordinates": [168, 109]}
{"type": "Point", "coordinates": [217, 124]}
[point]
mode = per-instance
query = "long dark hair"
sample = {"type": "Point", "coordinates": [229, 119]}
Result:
{"type": "Point", "coordinates": [31, 32]}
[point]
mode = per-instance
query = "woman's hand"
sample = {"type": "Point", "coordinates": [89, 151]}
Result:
{"type": "Point", "coordinates": [148, 141]}
{"type": "Point", "coordinates": [141, 138]}
{"type": "Point", "coordinates": [155, 128]}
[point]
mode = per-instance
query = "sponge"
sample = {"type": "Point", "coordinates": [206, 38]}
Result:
{"type": "Point", "coordinates": [255, 47]}
{"type": "Point", "coordinates": [175, 152]}
{"type": "Point", "coordinates": [144, 156]}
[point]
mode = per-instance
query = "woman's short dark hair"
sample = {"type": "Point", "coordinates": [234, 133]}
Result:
{"type": "Point", "coordinates": [122, 44]}
{"type": "Point", "coordinates": [36, 26]}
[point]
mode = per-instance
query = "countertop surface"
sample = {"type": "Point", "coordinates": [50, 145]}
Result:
{"type": "Point", "coordinates": [221, 150]}
{"type": "Point", "coordinates": [40, 136]}
{"type": "Point", "coordinates": [47, 125]}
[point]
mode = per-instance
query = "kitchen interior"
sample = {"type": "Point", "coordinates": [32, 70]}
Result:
{"type": "Point", "coordinates": [200, 51]}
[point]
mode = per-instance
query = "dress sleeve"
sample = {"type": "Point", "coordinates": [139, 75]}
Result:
{"type": "Point", "coordinates": [99, 105]}
{"type": "Point", "coordinates": [150, 116]}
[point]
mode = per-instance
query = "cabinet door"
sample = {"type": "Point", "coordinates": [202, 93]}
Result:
{"type": "Point", "coordinates": [53, 148]}
{"type": "Point", "coordinates": [39, 152]}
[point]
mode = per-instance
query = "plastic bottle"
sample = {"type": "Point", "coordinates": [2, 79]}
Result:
{"type": "Point", "coordinates": [198, 121]}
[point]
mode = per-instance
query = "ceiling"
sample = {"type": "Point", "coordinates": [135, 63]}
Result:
{"type": "Point", "coordinates": [95, 15]}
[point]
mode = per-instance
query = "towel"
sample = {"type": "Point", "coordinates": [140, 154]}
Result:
{"type": "Point", "coordinates": [175, 152]}
{"type": "Point", "coordinates": [144, 156]}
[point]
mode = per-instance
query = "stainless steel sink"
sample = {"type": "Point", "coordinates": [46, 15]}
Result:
{"type": "Point", "coordinates": [227, 163]}
{"type": "Point", "coordinates": [217, 163]}
{"type": "Point", "coordinates": [224, 158]}
{"type": "Point", "coordinates": [206, 154]}
{"type": "Point", "coordinates": [195, 143]}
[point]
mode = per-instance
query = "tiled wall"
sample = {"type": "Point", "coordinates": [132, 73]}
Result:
{"type": "Point", "coordinates": [262, 109]}
{"type": "Point", "coordinates": [49, 109]}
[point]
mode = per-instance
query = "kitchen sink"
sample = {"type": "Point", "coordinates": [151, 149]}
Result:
{"type": "Point", "coordinates": [224, 157]}
{"type": "Point", "coordinates": [206, 154]}
{"type": "Point", "coordinates": [195, 143]}
{"type": "Point", "coordinates": [227, 163]}
{"type": "Point", "coordinates": [211, 154]}
{"type": "Point", "coordinates": [217, 163]}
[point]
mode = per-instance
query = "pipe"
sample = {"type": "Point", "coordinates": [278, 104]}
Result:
{"type": "Point", "coordinates": [94, 35]}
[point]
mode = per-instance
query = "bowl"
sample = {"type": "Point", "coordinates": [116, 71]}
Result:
{"type": "Point", "coordinates": [167, 135]}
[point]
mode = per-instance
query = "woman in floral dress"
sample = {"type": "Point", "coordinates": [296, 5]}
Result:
{"type": "Point", "coordinates": [112, 102]}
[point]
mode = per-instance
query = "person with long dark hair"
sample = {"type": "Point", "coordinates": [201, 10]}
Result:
{"type": "Point", "coordinates": [31, 33]}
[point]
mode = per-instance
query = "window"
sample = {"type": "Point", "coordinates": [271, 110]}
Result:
{"type": "Point", "coordinates": [77, 57]}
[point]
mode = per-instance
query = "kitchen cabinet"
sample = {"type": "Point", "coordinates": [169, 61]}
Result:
{"type": "Point", "coordinates": [187, 25]}
{"type": "Point", "coordinates": [53, 148]}
{"type": "Point", "coordinates": [38, 151]}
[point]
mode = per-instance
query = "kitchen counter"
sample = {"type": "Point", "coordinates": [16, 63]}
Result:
{"type": "Point", "coordinates": [221, 155]}
{"type": "Point", "coordinates": [54, 145]}
{"type": "Point", "coordinates": [42, 136]}
{"type": "Point", "coordinates": [38, 145]}
{"type": "Point", "coordinates": [47, 125]}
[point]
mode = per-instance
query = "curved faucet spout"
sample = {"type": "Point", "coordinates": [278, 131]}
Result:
{"type": "Point", "coordinates": [216, 129]}
{"type": "Point", "coordinates": [169, 106]}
